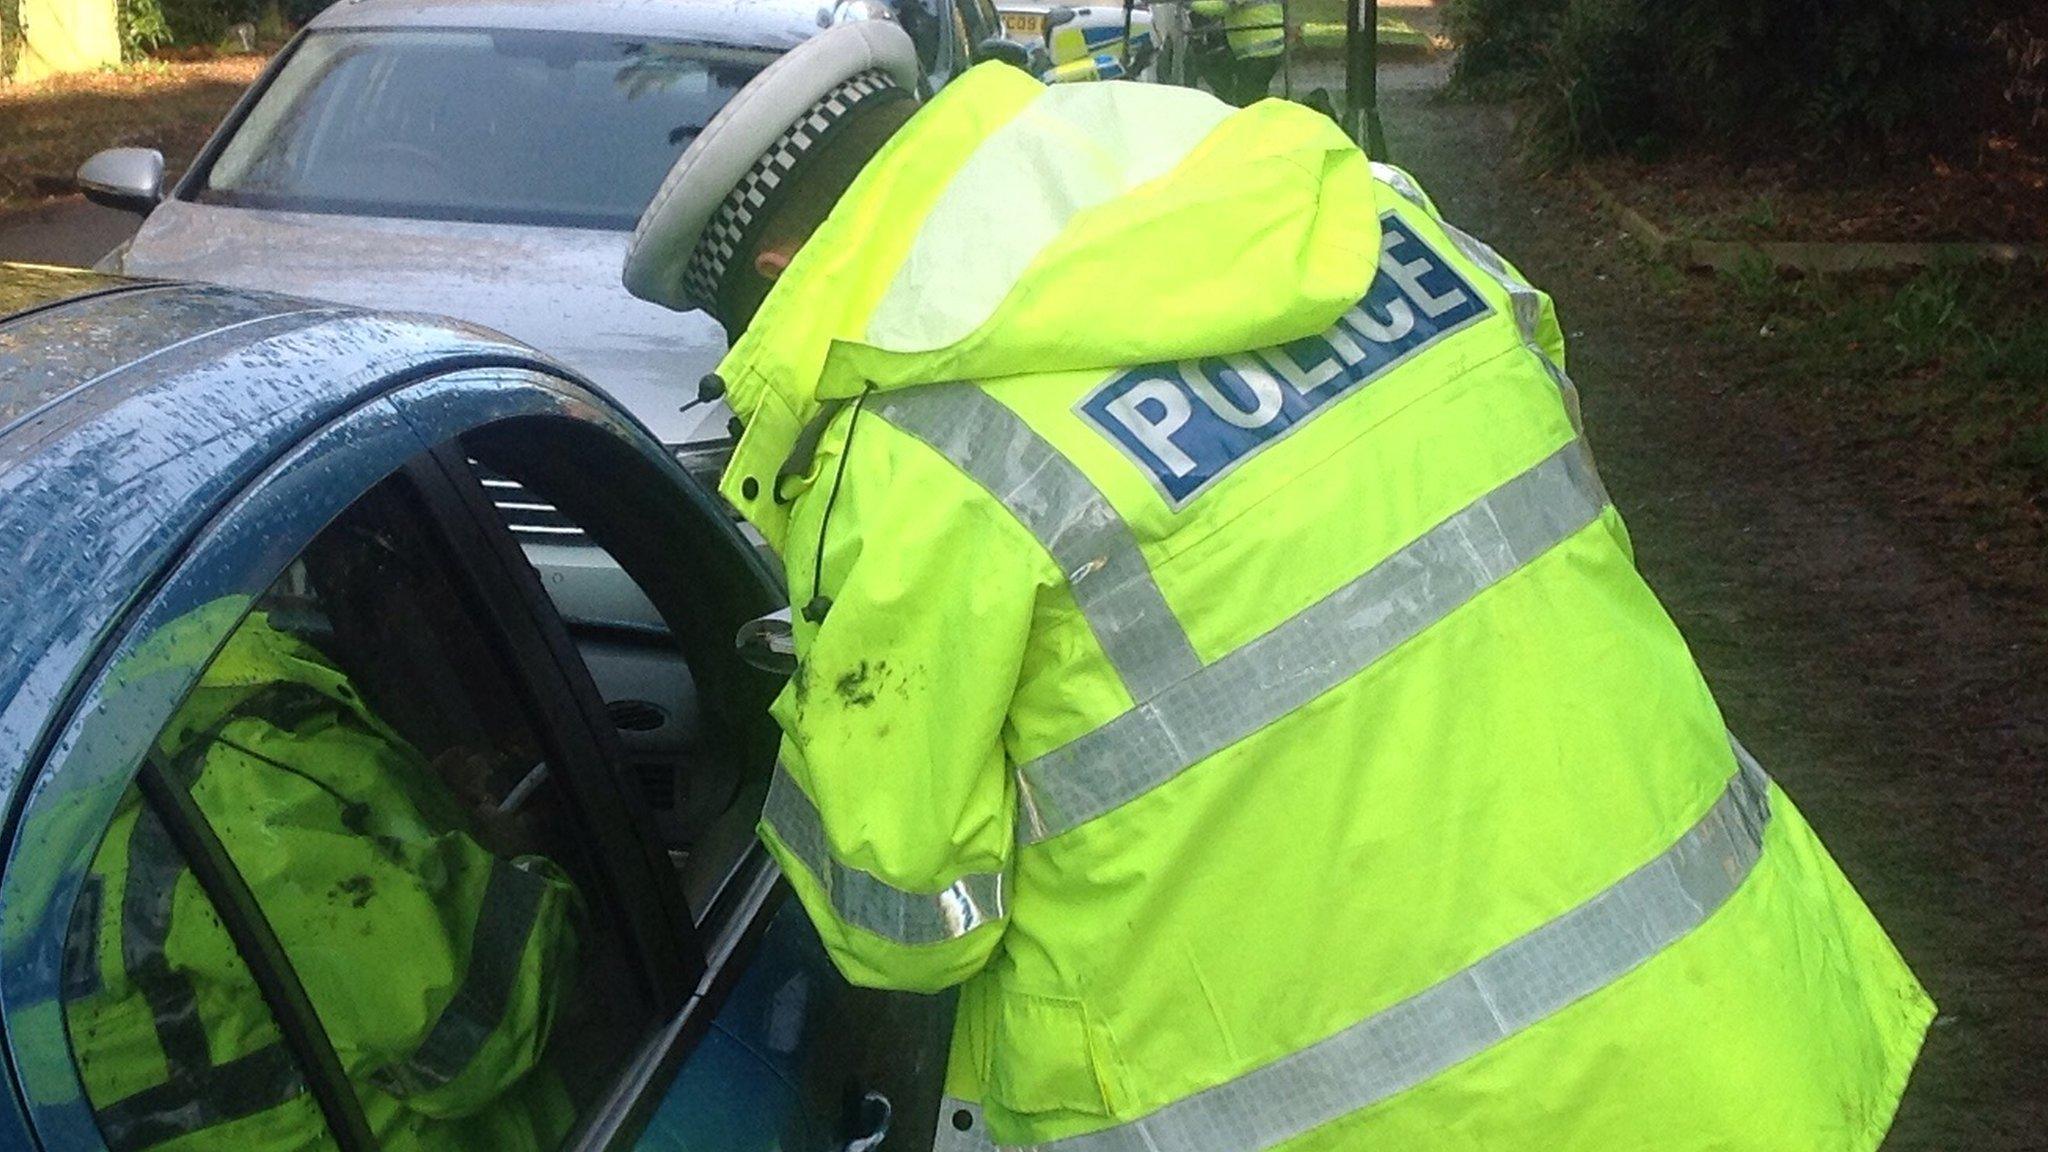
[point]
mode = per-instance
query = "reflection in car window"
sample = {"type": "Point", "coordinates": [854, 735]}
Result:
{"type": "Point", "coordinates": [363, 760]}
{"type": "Point", "coordinates": [174, 1044]}
{"type": "Point", "coordinates": [572, 129]}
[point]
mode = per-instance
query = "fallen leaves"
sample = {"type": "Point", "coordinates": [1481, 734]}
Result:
{"type": "Point", "coordinates": [49, 127]}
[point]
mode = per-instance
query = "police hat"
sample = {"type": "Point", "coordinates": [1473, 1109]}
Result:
{"type": "Point", "coordinates": [724, 184]}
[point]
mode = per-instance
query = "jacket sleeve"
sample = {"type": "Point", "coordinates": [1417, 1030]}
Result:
{"type": "Point", "coordinates": [892, 810]}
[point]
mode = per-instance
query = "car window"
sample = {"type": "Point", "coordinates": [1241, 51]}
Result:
{"type": "Point", "coordinates": [519, 127]}
{"type": "Point", "coordinates": [681, 752]}
{"type": "Point", "coordinates": [173, 1039]}
{"type": "Point", "coordinates": [364, 756]}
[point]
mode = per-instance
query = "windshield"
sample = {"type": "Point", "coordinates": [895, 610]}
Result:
{"type": "Point", "coordinates": [517, 127]}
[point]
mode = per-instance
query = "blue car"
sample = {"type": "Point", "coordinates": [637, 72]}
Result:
{"type": "Point", "coordinates": [187, 471]}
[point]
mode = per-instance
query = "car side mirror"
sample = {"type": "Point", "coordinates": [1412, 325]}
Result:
{"type": "Point", "coordinates": [1007, 51]}
{"type": "Point", "coordinates": [130, 179]}
{"type": "Point", "coordinates": [768, 643]}
{"type": "Point", "coordinates": [1057, 15]}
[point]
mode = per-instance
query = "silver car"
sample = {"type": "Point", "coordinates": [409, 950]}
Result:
{"type": "Point", "coordinates": [487, 161]}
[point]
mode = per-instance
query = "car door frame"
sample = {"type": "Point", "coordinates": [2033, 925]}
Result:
{"type": "Point", "coordinates": [744, 902]}
{"type": "Point", "coordinates": [83, 773]}
{"type": "Point", "coordinates": [644, 540]}
{"type": "Point", "coordinates": [192, 180]}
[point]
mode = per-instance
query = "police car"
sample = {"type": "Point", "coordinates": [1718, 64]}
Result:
{"type": "Point", "coordinates": [1082, 42]}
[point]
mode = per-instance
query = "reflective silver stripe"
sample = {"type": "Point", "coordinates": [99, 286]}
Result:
{"type": "Point", "coordinates": [1399, 180]}
{"type": "Point", "coordinates": [1312, 652]}
{"type": "Point", "coordinates": [506, 916]}
{"type": "Point", "coordinates": [203, 1097]}
{"type": "Point", "coordinates": [1524, 301]}
{"type": "Point", "coordinates": [1527, 305]}
{"type": "Point", "coordinates": [1524, 982]}
{"type": "Point", "coordinates": [864, 900]}
{"type": "Point", "coordinates": [1067, 514]}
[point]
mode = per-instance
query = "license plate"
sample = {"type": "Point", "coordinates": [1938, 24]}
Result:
{"type": "Point", "coordinates": [1026, 26]}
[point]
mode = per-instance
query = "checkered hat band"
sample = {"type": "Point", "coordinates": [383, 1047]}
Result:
{"type": "Point", "coordinates": [724, 236]}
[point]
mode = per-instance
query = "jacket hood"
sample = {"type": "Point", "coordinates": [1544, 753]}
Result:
{"type": "Point", "coordinates": [1013, 228]}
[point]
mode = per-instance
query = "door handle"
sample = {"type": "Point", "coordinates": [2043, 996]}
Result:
{"type": "Point", "coordinates": [875, 1114]}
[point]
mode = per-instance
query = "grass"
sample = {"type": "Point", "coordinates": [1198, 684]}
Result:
{"type": "Point", "coordinates": [49, 127]}
{"type": "Point", "coordinates": [1943, 372]}
{"type": "Point", "coordinates": [2001, 196]}
{"type": "Point", "coordinates": [1402, 27]}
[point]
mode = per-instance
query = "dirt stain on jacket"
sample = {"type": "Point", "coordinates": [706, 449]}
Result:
{"type": "Point", "coordinates": [857, 686]}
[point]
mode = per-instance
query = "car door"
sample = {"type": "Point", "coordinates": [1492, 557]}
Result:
{"type": "Point", "coordinates": [613, 562]}
{"type": "Point", "coordinates": [335, 848]}
{"type": "Point", "coordinates": [359, 854]}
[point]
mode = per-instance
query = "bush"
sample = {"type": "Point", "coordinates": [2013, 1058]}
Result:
{"type": "Point", "coordinates": [143, 27]}
{"type": "Point", "coordinates": [1499, 41]}
{"type": "Point", "coordinates": [1598, 78]}
{"type": "Point", "coordinates": [1840, 76]}
{"type": "Point", "coordinates": [206, 21]}
{"type": "Point", "coordinates": [10, 37]}
{"type": "Point", "coordinates": [1848, 74]}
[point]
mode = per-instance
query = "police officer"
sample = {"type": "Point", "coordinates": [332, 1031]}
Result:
{"type": "Point", "coordinates": [1225, 665]}
{"type": "Point", "coordinates": [436, 966]}
{"type": "Point", "coordinates": [1255, 33]}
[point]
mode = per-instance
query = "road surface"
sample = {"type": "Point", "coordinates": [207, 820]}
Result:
{"type": "Point", "coordinates": [64, 231]}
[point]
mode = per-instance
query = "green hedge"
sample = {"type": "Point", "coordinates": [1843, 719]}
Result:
{"type": "Point", "coordinates": [205, 21]}
{"type": "Point", "coordinates": [10, 37]}
{"type": "Point", "coordinates": [147, 24]}
{"type": "Point", "coordinates": [1840, 75]}
{"type": "Point", "coordinates": [1499, 41]}
{"type": "Point", "coordinates": [143, 27]}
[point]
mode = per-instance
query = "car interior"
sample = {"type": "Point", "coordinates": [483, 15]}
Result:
{"type": "Point", "coordinates": [499, 126]}
{"type": "Point", "coordinates": [371, 768]}
{"type": "Point", "coordinates": [690, 716]}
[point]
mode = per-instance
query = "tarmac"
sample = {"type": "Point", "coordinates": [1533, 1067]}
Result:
{"type": "Point", "coordinates": [68, 230]}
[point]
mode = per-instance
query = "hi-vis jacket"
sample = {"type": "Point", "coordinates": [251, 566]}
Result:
{"type": "Point", "coordinates": [1253, 28]}
{"type": "Point", "coordinates": [434, 965]}
{"type": "Point", "coordinates": [1236, 676]}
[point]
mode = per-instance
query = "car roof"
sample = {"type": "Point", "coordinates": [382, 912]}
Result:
{"type": "Point", "coordinates": [129, 416]}
{"type": "Point", "coordinates": [766, 23]}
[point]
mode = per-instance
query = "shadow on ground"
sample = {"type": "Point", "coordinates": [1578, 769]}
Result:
{"type": "Point", "coordinates": [50, 127]}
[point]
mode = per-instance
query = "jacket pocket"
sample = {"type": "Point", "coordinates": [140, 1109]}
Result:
{"type": "Point", "coordinates": [1051, 1056]}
